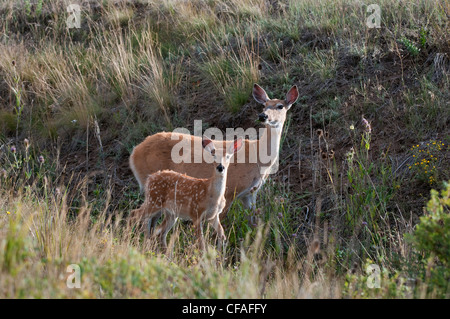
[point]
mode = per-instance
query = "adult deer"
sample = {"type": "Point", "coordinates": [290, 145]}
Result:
{"type": "Point", "coordinates": [245, 178]}
{"type": "Point", "coordinates": [186, 197]}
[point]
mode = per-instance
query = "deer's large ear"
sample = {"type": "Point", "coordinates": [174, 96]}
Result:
{"type": "Point", "coordinates": [259, 94]}
{"type": "Point", "coordinates": [236, 146]}
{"type": "Point", "coordinates": [208, 145]}
{"type": "Point", "coordinates": [291, 96]}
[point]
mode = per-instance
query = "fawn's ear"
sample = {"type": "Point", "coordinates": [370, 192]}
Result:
{"type": "Point", "coordinates": [236, 146]}
{"type": "Point", "coordinates": [208, 145]}
{"type": "Point", "coordinates": [259, 94]}
{"type": "Point", "coordinates": [291, 96]}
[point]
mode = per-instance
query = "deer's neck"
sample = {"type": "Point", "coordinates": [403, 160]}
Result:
{"type": "Point", "coordinates": [270, 142]}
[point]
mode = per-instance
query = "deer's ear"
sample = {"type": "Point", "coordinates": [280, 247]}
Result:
{"type": "Point", "coordinates": [291, 96]}
{"type": "Point", "coordinates": [208, 145]}
{"type": "Point", "coordinates": [236, 146]}
{"type": "Point", "coordinates": [259, 94]}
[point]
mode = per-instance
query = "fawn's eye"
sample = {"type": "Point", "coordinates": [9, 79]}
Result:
{"type": "Point", "coordinates": [280, 106]}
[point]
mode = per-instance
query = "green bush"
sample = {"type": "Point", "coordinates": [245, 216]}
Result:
{"type": "Point", "coordinates": [432, 234]}
{"type": "Point", "coordinates": [432, 237]}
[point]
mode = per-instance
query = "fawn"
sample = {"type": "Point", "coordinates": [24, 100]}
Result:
{"type": "Point", "coordinates": [186, 197]}
{"type": "Point", "coordinates": [245, 179]}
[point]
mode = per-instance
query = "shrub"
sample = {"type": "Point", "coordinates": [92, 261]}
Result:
{"type": "Point", "coordinates": [432, 234]}
{"type": "Point", "coordinates": [432, 237]}
{"type": "Point", "coordinates": [410, 46]}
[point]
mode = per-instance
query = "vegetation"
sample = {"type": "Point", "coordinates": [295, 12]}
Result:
{"type": "Point", "coordinates": [364, 158]}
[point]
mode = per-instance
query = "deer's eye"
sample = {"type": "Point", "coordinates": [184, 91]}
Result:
{"type": "Point", "coordinates": [280, 107]}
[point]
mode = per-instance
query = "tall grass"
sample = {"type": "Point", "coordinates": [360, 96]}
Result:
{"type": "Point", "coordinates": [231, 68]}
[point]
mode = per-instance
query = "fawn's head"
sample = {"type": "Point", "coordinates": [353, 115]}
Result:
{"type": "Point", "coordinates": [274, 113]}
{"type": "Point", "coordinates": [222, 157]}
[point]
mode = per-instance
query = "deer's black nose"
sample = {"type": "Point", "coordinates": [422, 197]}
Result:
{"type": "Point", "coordinates": [220, 168]}
{"type": "Point", "coordinates": [262, 117]}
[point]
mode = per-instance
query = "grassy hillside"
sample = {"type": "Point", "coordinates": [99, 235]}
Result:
{"type": "Point", "coordinates": [361, 152]}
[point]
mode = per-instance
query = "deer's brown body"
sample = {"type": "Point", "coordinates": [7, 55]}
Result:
{"type": "Point", "coordinates": [155, 153]}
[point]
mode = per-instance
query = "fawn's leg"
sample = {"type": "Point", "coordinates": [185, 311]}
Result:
{"type": "Point", "coordinates": [152, 223]}
{"type": "Point", "coordinates": [215, 222]}
{"type": "Point", "coordinates": [198, 224]}
{"type": "Point", "coordinates": [165, 227]}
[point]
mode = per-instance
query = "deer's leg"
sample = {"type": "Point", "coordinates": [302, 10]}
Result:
{"type": "Point", "coordinates": [152, 222]}
{"type": "Point", "coordinates": [247, 197]}
{"type": "Point", "coordinates": [166, 226]}
{"type": "Point", "coordinates": [215, 222]}
{"type": "Point", "coordinates": [249, 202]}
{"type": "Point", "coordinates": [198, 224]}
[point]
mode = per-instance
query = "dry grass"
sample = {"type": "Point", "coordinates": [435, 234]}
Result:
{"type": "Point", "coordinates": [38, 243]}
